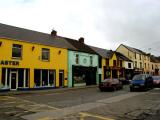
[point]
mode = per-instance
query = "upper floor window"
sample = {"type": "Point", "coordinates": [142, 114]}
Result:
{"type": "Point", "coordinates": [135, 55]}
{"type": "Point", "coordinates": [91, 60]}
{"type": "Point", "coordinates": [77, 58]}
{"type": "Point", "coordinates": [152, 67]}
{"type": "Point", "coordinates": [140, 64]}
{"type": "Point", "coordinates": [145, 65]}
{"type": "Point", "coordinates": [107, 62]}
{"type": "Point", "coordinates": [135, 64]}
{"type": "Point", "coordinates": [120, 63]}
{"type": "Point", "coordinates": [45, 54]}
{"type": "Point", "coordinates": [140, 56]}
{"type": "Point", "coordinates": [114, 62]}
{"type": "Point", "coordinates": [17, 51]}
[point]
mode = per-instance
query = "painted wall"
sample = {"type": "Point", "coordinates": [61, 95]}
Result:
{"type": "Point", "coordinates": [84, 60]}
{"type": "Point", "coordinates": [32, 59]}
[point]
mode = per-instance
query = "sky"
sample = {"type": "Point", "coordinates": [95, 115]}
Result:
{"type": "Point", "coordinates": [103, 23]}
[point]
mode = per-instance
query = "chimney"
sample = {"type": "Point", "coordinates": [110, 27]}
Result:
{"type": "Point", "coordinates": [81, 40]}
{"type": "Point", "coordinates": [54, 33]}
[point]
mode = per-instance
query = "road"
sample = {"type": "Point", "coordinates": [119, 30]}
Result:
{"type": "Point", "coordinates": [82, 104]}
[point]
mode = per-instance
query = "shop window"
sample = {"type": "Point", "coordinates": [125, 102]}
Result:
{"type": "Point", "coordinates": [129, 65]}
{"type": "Point", "coordinates": [114, 62]}
{"type": "Point", "coordinates": [45, 54]}
{"type": "Point", "coordinates": [44, 77]}
{"type": "Point", "coordinates": [37, 81]}
{"type": "Point", "coordinates": [17, 51]}
{"type": "Point", "coordinates": [20, 77]}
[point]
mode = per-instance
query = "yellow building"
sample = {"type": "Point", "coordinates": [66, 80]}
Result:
{"type": "Point", "coordinates": [112, 63]}
{"type": "Point", "coordinates": [30, 59]}
{"type": "Point", "coordinates": [137, 56]}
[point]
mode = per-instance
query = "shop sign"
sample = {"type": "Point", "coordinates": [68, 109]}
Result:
{"type": "Point", "coordinates": [7, 62]}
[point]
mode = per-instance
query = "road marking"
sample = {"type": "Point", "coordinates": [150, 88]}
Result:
{"type": "Point", "coordinates": [94, 116]}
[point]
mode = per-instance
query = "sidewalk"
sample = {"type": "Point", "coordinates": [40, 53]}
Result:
{"type": "Point", "coordinates": [55, 90]}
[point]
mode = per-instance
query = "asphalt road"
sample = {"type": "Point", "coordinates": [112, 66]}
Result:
{"type": "Point", "coordinates": [82, 104]}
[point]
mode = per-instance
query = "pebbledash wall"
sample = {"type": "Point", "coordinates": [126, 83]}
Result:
{"type": "Point", "coordinates": [56, 67]}
{"type": "Point", "coordinates": [84, 61]}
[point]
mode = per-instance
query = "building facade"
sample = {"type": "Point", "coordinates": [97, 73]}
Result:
{"type": "Point", "coordinates": [32, 60]}
{"type": "Point", "coordinates": [82, 65]}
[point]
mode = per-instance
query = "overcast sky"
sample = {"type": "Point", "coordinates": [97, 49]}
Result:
{"type": "Point", "coordinates": [103, 23]}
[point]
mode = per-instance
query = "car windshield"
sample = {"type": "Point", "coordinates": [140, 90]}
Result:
{"type": "Point", "coordinates": [156, 77]}
{"type": "Point", "coordinates": [139, 77]}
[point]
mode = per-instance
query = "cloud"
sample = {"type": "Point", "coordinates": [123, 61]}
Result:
{"type": "Point", "coordinates": [103, 23]}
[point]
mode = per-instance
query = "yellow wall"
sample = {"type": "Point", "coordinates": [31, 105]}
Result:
{"type": "Point", "coordinates": [32, 59]}
{"type": "Point", "coordinates": [103, 64]}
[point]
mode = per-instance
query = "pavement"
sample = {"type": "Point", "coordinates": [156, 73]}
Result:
{"type": "Point", "coordinates": [81, 104]}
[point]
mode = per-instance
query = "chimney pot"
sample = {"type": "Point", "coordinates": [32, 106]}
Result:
{"type": "Point", "coordinates": [81, 40]}
{"type": "Point", "coordinates": [54, 33]}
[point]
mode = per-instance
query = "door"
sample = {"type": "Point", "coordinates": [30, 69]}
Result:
{"type": "Point", "coordinates": [61, 78]}
{"type": "Point", "coordinates": [13, 80]}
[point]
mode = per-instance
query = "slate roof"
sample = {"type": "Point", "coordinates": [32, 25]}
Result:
{"type": "Point", "coordinates": [122, 57]}
{"type": "Point", "coordinates": [16, 33]}
{"type": "Point", "coordinates": [134, 49]}
{"type": "Point", "coordinates": [102, 52]}
{"type": "Point", "coordinates": [155, 59]}
{"type": "Point", "coordinates": [80, 46]}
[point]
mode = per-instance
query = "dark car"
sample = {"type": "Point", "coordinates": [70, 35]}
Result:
{"type": "Point", "coordinates": [141, 82]}
{"type": "Point", "coordinates": [110, 84]}
{"type": "Point", "coordinates": [156, 81]}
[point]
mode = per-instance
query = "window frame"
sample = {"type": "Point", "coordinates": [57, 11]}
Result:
{"type": "Point", "coordinates": [45, 50]}
{"type": "Point", "coordinates": [20, 48]}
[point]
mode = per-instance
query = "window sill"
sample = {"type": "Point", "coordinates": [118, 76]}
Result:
{"type": "Point", "coordinates": [17, 58]}
{"type": "Point", "coordinates": [46, 60]}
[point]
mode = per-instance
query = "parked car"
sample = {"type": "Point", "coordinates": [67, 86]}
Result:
{"type": "Point", "coordinates": [124, 81]}
{"type": "Point", "coordinates": [110, 84]}
{"type": "Point", "coordinates": [156, 81]}
{"type": "Point", "coordinates": [141, 82]}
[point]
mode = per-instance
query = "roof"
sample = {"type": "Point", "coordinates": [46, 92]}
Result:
{"type": "Point", "coordinates": [102, 52]}
{"type": "Point", "coordinates": [80, 46]}
{"type": "Point", "coordinates": [21, 34]}
{"type": "Point", "coordinates": [155, 59]}
{"type": "Point", "coordinates": [122, 57]}
{"type": "Point", "coordinates": [134, 49]}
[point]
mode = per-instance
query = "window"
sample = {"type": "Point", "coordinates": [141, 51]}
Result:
{"type": "Point", "coordinates": [91, 60]}
{"type": "Point", "coordinates": [17, 51]}
{"type": "Point", "coordinates": [135, 55]}
{"type": "Point", "coordinates": [145, 65]}
{"type": "Point", "coordinates": [120, 63]}
{"type": "Point", "coordinates": [114, 62]}
{"type": "Point", "coordinates": [128, 53]}
{"type": "Point", "coordinates": [107, 62]}
{"type": "Point", "coordinates": [148, 65]}
{"type": "Point", "coordinates": [45, 54]}
{"type": "Point", "coordinates": [129, 65]}
{"type": "Point", "coordinates": [140, 64]}
{"type": "Point", "coordinates": [135, 64]}
{"type": "Point", "coordinates": [77, 58]}
{"type": "Point", "coordinates": [140, 57]}
{"type": "Point", "coordinates": [152, 66]}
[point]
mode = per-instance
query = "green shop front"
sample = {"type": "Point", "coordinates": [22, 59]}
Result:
{"type": "Point", "coordinates": [82, 69]}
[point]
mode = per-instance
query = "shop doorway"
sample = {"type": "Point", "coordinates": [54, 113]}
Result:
{"type": "Point", "coordinates": [13, 80]}
{"type": "Point", "coordinates": [61, 78]}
